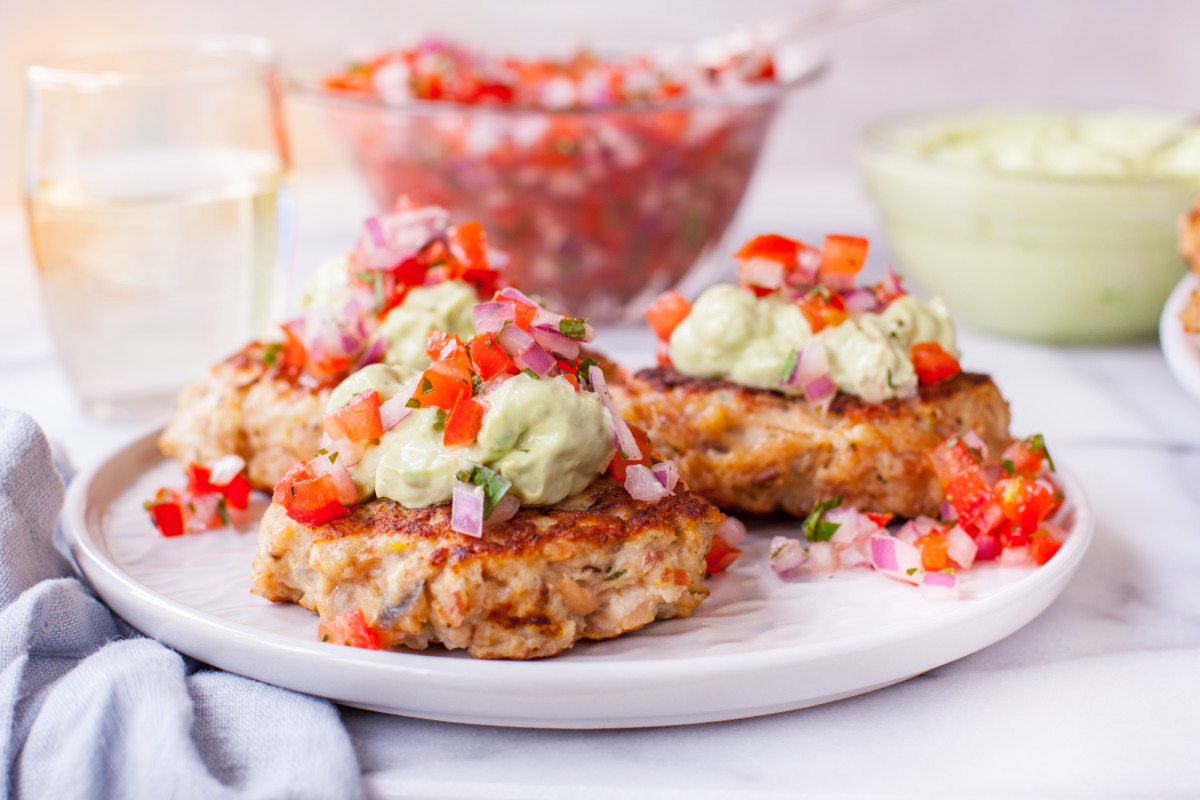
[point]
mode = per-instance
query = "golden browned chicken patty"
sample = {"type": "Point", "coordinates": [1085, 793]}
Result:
{"type": "Point", "coordinates": [759, 451]}
{"type": "Point", "coordinates": [248, 408]}
{"type": "Point", "coordinates": [594, 566]}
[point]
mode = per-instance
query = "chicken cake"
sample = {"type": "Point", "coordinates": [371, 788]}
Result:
{"type": "Point", "coordinates": [494, 502]}
{"type": "Point", "coordinates": [412, 273]}
{"type": "Point", "coordinates": [1189, 248]}
{"type": "Point", "coordinates": [795, 387]}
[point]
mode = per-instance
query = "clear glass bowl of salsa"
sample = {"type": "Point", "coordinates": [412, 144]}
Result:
{"type": "Point", "coordinates": [605, 181]}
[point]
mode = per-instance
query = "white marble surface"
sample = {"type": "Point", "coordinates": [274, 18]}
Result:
{"type": "Point", "coordinates": [1095, 698]}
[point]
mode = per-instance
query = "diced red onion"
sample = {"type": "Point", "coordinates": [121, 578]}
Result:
{"type": "Point", "coordinates": [908, 532]}
{"type": "Point", "coordinates": [859, 301]}
{"type": "Point", "coordinates": [939, 586]}
{"type": "Point", "coordinates": [764, 273]}
{"type": "Point", "coordinates": [962, 547]}
{"type": "Point", "coordinates": [546, 319]}
{"type": "Point", "coordinates": [516, 294]}
{"type": "Point", "coordinates": [891, 282]}
{"type": "Point", "coordinates": [733, 531]}
{"type": "Point", "coordinates": [668, 475]}
{"type": "Point", "coordinates": [812, 365]}
{"type": "Point", "coordinates": [342, 482]}
{"type": "Point", "coordinates": [536, 359]}
{"type": "Point", "coordinates": [926, 525]}
{"type": "Point", "coordinates": [948, 512]}
{"type": "Point", "coordinates": [395, 410]}
{"type": "Point", "coordinates": [622, 436]}
{"type": "Point", "coordinates": [971, 439]}
{"type": "Point", "coordinates": [642, 485]}
{"type": "Point", "coordinates": [225, 469]}
{"type": "Point", "coordinates": [896, 558]}
{"type": "Point", "coordinates": [466, 509]}
{"type": "Point", "coordinates": [822, 558]}
{"type": "Point", "coordinates": [849, 522]}
{"type": "Point", "coordinates": [203, 511]}
{"type": "Point", "coordinates": [375, 232]}
{"type": "Point", "coordinates": [820, 390]}
{"type": "Point", "coordinates": [988, 547]}
{"type": "Point", "coordinates": [515, 340]}
{"type": "Point", "coordinates": [808, 264]}
{"type": "Point", "coordinates": [850, 557]}
{"type": "Point", "coordinates": [505, 510]}
{"type": "Point", "coordinates": [349, 453]}
{"type": "Point", "coordinates": [490, 317]}
{"type": "Point", "coordinates": [373, 353]}
{"type": "Point", "coordinates": [787, 556]}
{"type": "Point", "coordinates": [554, 341]}
{"type": "Point", "coordinates": [1016, 557]}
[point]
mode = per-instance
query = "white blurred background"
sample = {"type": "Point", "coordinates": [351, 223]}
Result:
{"type": "Point", "coordinates": [936, 52]}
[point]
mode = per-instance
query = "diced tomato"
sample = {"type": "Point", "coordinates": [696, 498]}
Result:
{"type": "Point", "coordinates": [358, 420]}
{"type": "Point", "coordinates": [619, 463]}
{"type": "Point", "coordinates": [932, 363]}
{"type": "Point", "coordinates": [1042, 547]}
{"type": "Point", "coordinates": [441, 390]}
{"type": "Point", "coordinates": [470, 243]}
{"type": "Point", "coordinates": [525, 314]}
{"type": "Point", "coordinates": [307, 499]}
{"type": "Point", "coordinates": [771, 246]}
{"type": "Point", "coordinates": [292, 358]}
{"type": "Point", "coordinates": [662, 354]}
{"type": "Point", "coordinates": [1025, 502]}
{"type": "Point", "coordinates": [987, 547]}
{"type": "Point", "coordinates": [720, 555]}
{"type": "Point", "coordinates": [1013, 536]}
{"type": "Point", "coordinates": [666, 312]}
{"type": "Point", "coordinates": [841, 260]}
{"type": "Point", "coordinates": [488, 357]}
{"type": "Point", "coordinates": [823, 308]}
{"type": "Point", "coordinates": [933, 549]}
{"type": "Point", "coordinates": [965, 486]}
{"type": "Point", "coordinates": [448, 350]}
{"type": "Point", "coordinates": [882, 520]}
{"type": "Point", "coordinates": [237, 491]}
{"type": "Point", "coordinates": [167, 516]}
{"type": "Point", "coordinates": [350, 629]}
{"type": "Point", "coordinates": [463, 422]}
{"type": "Point", "coordinates": [199, 479]}
{"type": "Point", "coordinates": [1023, 458]}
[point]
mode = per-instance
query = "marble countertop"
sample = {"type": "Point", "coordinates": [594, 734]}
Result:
{"type": "Point", "coordinates": [1094, 698]}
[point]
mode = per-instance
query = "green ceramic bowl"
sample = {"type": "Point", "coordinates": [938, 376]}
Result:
{"type": "Point", "coordinates": [1064, 259]}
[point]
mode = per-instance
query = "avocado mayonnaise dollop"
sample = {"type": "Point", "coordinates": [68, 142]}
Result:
{"type": "Point", "coordinates": [734, 335]}
{"type": "Point", "coordinates": [548, 439]}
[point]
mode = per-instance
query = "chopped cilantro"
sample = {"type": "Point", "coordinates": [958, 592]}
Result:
{"type": "Point", "coordinates": [1038, 445]}
{"type": "Point", "coordinates": [530, 373]}
{"type": "Point", "coordinates": [412, 403]}
{"type": "Point", "coordinates": [613, 576]}
{"type": "Point", "coordinates": [439, 423]}
{"type": "Point", "coordinates": [495, 485]}
{"type": "Point", "coordinates": [1008, 465]}
{"type": "Point", "coordinates": [789, 366]}
{"type": "Point", "coordinates": [325, 638]}
{"type": "Point", "coordinates": [379, 298]}
{"type": "Point", "coordinates": [910, 571]}
{"type": "Point", "coordinates": [426, 386]}
{"type": "Point", "coordinates": [271, 355]}
{"type": "Point", "coordinates": [817, 530]}
{"type": "Point", "coordinates": [583, 368]}
{"type": "Point", "coordinates": [223, 512]}
{"type": "Point", "coordinates": [573, 327]}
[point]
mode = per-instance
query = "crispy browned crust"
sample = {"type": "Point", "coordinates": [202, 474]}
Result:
{"type": "Point", "coordinates": [1189, 248]}
{"type": "Point", "coordinates": [757, 450]}
{"type": "Point", "coordinates": [594, 566]}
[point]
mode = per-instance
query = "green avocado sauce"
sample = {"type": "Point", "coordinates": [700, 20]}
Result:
{"type": "Point", "coordinates": [733, 335]}
{"type": "Point", "coordinates": [541, 434]}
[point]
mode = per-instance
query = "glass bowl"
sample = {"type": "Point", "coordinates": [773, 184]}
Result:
{"type": "Point", "coordinates": [599, 209]}
{"type": "Point", "coordinates": [1053, 258]}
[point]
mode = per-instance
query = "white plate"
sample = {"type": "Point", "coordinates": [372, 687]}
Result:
{"type": "Point", "coordinates": [756, 646]}
{"type": "Point", "coordinates": [1182, 350]}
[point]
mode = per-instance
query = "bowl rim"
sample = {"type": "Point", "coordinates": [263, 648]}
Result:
{"type": "Point", "coordinates": [805, 64]}
{"type": "Point", "coordinates": [880, 138]}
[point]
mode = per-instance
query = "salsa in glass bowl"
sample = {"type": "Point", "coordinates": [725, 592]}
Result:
{"type": "Point", "coordinates": [606, 179]}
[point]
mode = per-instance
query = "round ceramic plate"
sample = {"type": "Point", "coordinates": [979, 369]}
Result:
{"type": "Point", "coordinates": [757, 645]}
{"type": "Point", "coordinates": [1181, 350]}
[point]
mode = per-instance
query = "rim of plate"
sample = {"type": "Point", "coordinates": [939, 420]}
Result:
{"type": "Point", "coordinates": [1182, 355]}
{"type": "Point", "coordinates": [558, 670]}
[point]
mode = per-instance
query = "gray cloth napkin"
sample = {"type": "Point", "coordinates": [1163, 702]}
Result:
{"type": "Point", "coordinates": [90, 708]}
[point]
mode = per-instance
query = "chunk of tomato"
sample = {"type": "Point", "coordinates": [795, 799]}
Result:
{"type": "Point", "coordinates": [488, 357]}
{"type": "Point", "coordinates": [350, 629]}
{"type": "Point", "coordinates": [308, 499]}
{"type": "Point", "coordinates": [1043, 546]}
{"type": "Point", "coordinates": [359, 420]}
{"type": "Point", "coordinates": [1020, 458]}
{"type": "Point", "coordinates": [823, 308]}
{"type": "Point", "coordinates": [167, 516]}
{"type": "Point", "coordinates": [666, 312]}
{"type": "Point", "coordinates": [841, 260]}
{"type": "Point", "coordinates": [237, 491]}
{"type": "Point", "coordinates": [934, 548]}
{"type": "Point", "coordinates": [463, 422]}
{"type": "Point", "coordinates": [771, 246]}
{"type": "Point", "coordinates": [720, 555]}
{"type": "Point", "coordinates": [199, 479]}
{"type": "Point", "coordinates": [437, 388]}
{"type": "Point", "coordinates": [1025, 501]}
{"type": "Point", "coordinates": [932, 363]}
{"type": "Point", "coordinates": [620, 463]}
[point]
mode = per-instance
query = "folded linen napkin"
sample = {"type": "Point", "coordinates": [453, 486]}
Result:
{"type": "Point", "coordinates": [90, 708]}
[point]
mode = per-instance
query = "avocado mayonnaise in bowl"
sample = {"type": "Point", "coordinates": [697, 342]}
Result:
{"type": "Point", "coordinates": [1049, 225]}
